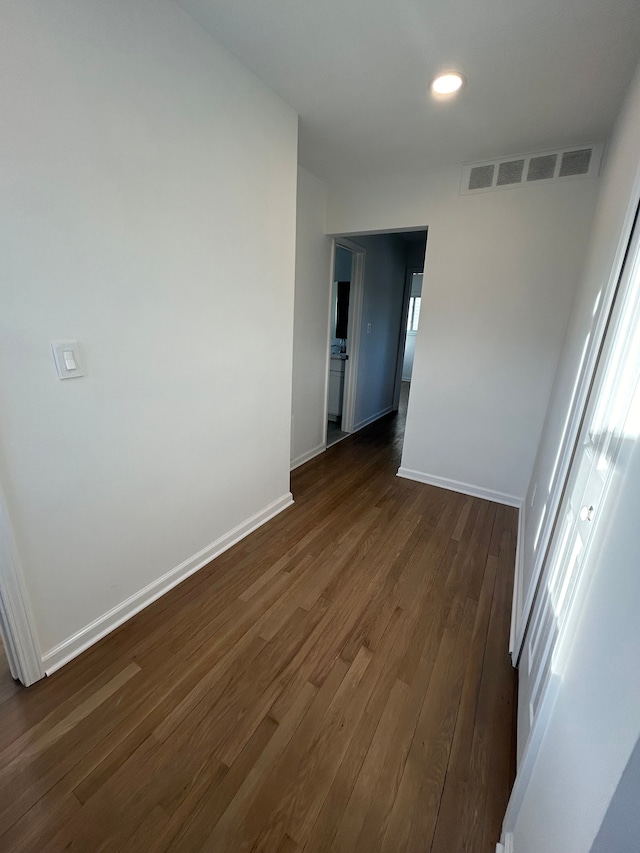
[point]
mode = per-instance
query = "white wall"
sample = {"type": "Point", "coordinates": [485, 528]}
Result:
{"type": "Point", "coordinates": [311, 324]}
{"type": "Point", "coordinates": [620, 829]}
{"type": "Point", "coordinates": [137, 157]}
{"type": "Point", "coordinates": [500, 274]}
{"type": "Point", "coordinates": [595, 722]}
{"type": "Point", "coordinates": [384, 280]}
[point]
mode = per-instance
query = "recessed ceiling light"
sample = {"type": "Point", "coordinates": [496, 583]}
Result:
{"type": "Point", "coordinates": [447, 84]}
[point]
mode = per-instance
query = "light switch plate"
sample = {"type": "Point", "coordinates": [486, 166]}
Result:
{"type": "Point", "coordinates": [59, 348]}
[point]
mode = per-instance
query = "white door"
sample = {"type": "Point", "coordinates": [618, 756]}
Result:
{"type": "Point", "coordinates": [613, 403]}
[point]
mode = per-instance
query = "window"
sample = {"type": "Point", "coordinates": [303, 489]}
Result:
{"type": "Point", "coordinates": [414, 314]}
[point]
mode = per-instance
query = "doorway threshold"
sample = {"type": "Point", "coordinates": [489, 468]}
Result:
{"type": "Point", "coordinates": [334, 434]}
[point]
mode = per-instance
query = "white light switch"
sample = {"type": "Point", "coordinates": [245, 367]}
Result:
{"type": "Point", "coordinates": [66, 355]}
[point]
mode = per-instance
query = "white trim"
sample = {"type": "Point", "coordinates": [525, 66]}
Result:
{"type": "Point", "coordinates": [109, 621]}
{"type": "Point", "coordinates": [464, 488]}
{"type": "Point", "coordinates": [17, 625]}
{"type": "Point", "coordinates": [517, 580]}
{"type": "Point", "coordinates": [372, 418]}
{"type": "Point", "coordinates": [306, 457]}
{"type": "Point", "coordinates": [509, 846]}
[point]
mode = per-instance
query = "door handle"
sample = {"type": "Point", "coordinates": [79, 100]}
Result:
{"type": "Point", "coordinates": [587, 513]}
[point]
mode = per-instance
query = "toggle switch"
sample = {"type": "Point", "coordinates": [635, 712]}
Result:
{"type": "Point", "coordinates": [66, 355]}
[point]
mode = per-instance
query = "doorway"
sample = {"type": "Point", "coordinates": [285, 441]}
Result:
{"type": "Point", "coordinates": [376, 281]}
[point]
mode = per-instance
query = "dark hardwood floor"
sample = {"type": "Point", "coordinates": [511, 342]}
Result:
{"type": "Point", "coordinates": [338, 681]}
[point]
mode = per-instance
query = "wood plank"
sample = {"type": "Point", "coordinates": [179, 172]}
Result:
{"type": "Point", "coordinates": [418, 800]}
{"type": "Point", "coordinates": [356, 807]}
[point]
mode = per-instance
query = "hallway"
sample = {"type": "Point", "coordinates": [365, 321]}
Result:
{"type": "Point", "coordinates": [337, 681]}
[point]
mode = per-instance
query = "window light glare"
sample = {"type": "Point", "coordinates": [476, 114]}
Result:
{"type": "Point", "coordinates": [447, 84]}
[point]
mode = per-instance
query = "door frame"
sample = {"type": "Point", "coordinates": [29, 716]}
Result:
{"type": "Point", "coordinates": [356, 295]}
{"type": "Point", "coordinates": [573, 424]}
{"type": "Point", "coordinates": [17, 625]}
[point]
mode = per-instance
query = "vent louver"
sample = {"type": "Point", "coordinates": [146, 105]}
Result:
{"type": "Point", "coordinates": [528, 169]}
{"type": "Point", "coordinates": [542, 168]}
{"type": "Point", "coordinates": [510, 172]}
{"type": "Point", "coordinates": [481, 177]}
{"type": "Point", "coordinates": [575, 162]}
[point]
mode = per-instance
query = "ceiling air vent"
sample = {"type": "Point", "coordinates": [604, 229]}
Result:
{"type": "Point", "coordinates": [528, 169]}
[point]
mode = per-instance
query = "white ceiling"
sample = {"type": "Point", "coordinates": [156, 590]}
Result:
{"type": "Point", "coordinates": [541, 74]}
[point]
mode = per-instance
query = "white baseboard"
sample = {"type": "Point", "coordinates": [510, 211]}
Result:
{"type": "Point", "coordinates": [517, 580]}
{"type": "Point", "coordinates": [507, 845]}
{"type": "Point", "coordinates": [109, 621]}
{"type": "Point", "coordinates": [372, 418]}
{"type": "Point", "coordinates": [308, 456]}
{"type": "Point", "coordinates": [464, 488]}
